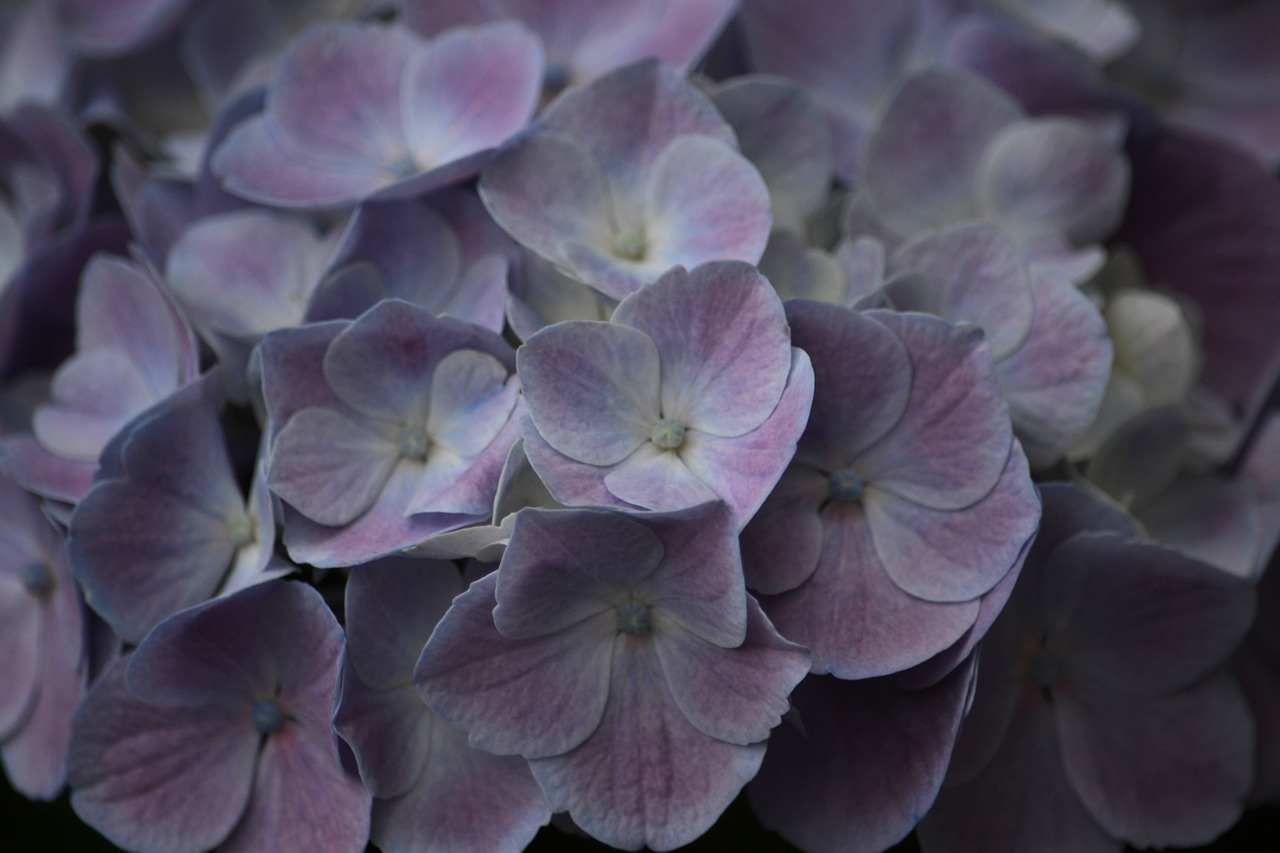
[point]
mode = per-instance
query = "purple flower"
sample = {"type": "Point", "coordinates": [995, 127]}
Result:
{"type": "Point", "coordinates": [357, 109]}
{"type": "Point", "coordinates": [385, 429]}
{"type": "Point", "coordinates": [631, 669]}
{"type": "Point", "coordinates": [691, 393]}
{"type": "Point", "coordinates": [210, 733]}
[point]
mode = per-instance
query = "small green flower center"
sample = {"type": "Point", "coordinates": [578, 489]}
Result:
{"type": "Point", "coordinates": [413, 442]}
{"type": "Point", "coordinates": [845, 486]}
{"type": "Point", "coordinates": [37, 579]}
{"type": "Point", "coordinates": [241, 529]}
{"type": "Point", "coordinates": [633, 617]}
{"type": "Point", "coordinates": [1046, 668]}
{"type": "Point", "coordinates": [267, 716]}
{"type": "Point", "coordinates": [629, 244]}
{"type": "Point", "coordinates": [668, 434]}
{"type": "Point", "coordinates": [403, 167]}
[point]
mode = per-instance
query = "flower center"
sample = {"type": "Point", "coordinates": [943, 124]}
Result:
{"type": "Point", "coordinates": [845, 486]}
{"type": "Point", "coordinates": [413, 442]}
{"type": "Point", "coordinates": [267, 716]}
{"type": "Point", "coordinates": [1046, 668]}
{"type": "Point", "coordinates": [629, 244]}
{"type": "Point", "coordinates": [240, 530]}
{"type": "Point", "coordinates": [37, 579]}
{"type": "Point", "coordinates": [668, 434]}
{"type": "Point", "coordinates": [403, 167]}
{"type": "Point", "coordinates": [633, 617]}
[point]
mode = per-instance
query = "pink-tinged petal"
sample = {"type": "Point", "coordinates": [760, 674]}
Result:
{"type": "Point", "coordinates": [657, 479]}
{"type": "Point", "coordinates": [570, 482]}
{"type": "Point", "coordinates": [536, 697]}
{"type": "Point", "coordinates": [292, 373]}
{"type": "Point", "coordinates": [954, 413]}
{"type": "Point", "coordinates": [388, 730]}
{"type": "Point", "coordinates": [94, 394]}
{"type": "Point", "coordinates": [254, 163]}
{"type": "Point", "coordinates": [854, 619]}
{"type": "Point", "coordinates": [333, 817]}
{"type": "Point", "coordinates": [109, 27]}
{"type": "Point", "coordinates": [735, 695]}
{"type": "Point", "coordinates": [705, 202]}
{"type": "Point", "coordinates": [466, 799]}
{"type": "Point", "coordinates": [960, 554]}
{"type": "Point", "coordinates": [152, 778]}
{"type": "Point", "coordinates": [304, 641]}
{"type": "Point", "coordinates": [647, 775]}
{"type": "Point", "coordinates": [592, 389]}
{"type": "Point", "coordinates": [246, 272]}
{"type": "Point", "coordinates": [336, 94]}
{"type": "Point", "coordinates": [382, 366]}
{"type": "Point", "coordinates": [330, 466]}
{"type": "Point", "coordinates": [972, 273]}
{"type": "Point", "coordinates": [465, 486]}
{"type": "Point", "coordinates": [605, 272]}
{"type": "Point", "coordinates": [681, 32]}
{"type": "Point", "coordinates": [468, 90]}
{"type": "Point", "coordinates": [723, 342]}
{"type": "Point", "coordinates": [1023, 801]}
{"type": "Point", "coordinates": [413, 249]}
{"type": "Point", "coordinates": [742, 470]}
{"type": "Point", "coordinates": [472, 397]}
{"type": "Point", "coordinates": [1158, 772]}
{"type": "Point", "coordinates": [922, 158]}
{"type": "Point", "coordinates": [25, 461]}
{"type": "Point", "coordinates": [782, 131]}
{"type": "Point", "coordinates": [563, 567]}
{"type": "Point", "coordinates": [782, 542]}
{"type": "Point", "coordinates": [627, 118]}
{"type": "Point", "coordinates": [159, 538]}
{"type": "Point", "coordinates": [1166, 619]}
{"type": "Point", "coordinates": [868, 764]}
{"type": "Point", "coordinates": [391, 607]}
{"type": "Point", "coordinates": [862, 381]}
{"type": "Point", "coordinates": [548, 189]}
{"type": "Point", "coordinates": [1054, 174]}
{"type": "Point", "coordinates": [1055, 381]}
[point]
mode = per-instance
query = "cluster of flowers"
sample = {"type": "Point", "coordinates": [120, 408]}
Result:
{"type": "Point", "coordinates": [421, 417]}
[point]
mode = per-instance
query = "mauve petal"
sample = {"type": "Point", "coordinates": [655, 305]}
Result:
{"type": "Point", "coordinates": [471, 401]}
{"type": "Point", "coordinates": [657, 479]}
{"type": "Point", "coordinates": [605, 272]}
{"type": "Point", "coordinates": [954, 415]}
{"type": "Point", "coordinates": [22, 642]}
{"type": "Point", "coordinates": [391, 607]}
{"type": "Point", "coordinates": [923, 157]}
{"type": "Point", "coordinates": [541, 696]}
{"type": "Point", "coordinates": [783, 541]}
{"type": "Point", "coordinates": [1158, 772]}
{"type": "Point", "coordinates": [868, 764]}
{"type": "Point", "coordinates": [292, 376]}
{"type": "Point", "coordinates": [255, 164]}
{"type": "Point", "coordinates": [628, 117]}
{"type": "Point", "coordinates": [862, 380]}
{"type": "Point", "coordinates": [468, 90]}
{"type": "Point", "coordinates": [592, 389]}
{"type": "Point", "coordinates": [466, 799]}
{"type": "Point", "coordinates": [735, 695]}
{"type": "Point", "coordinates": [742, 470]}
{"type": "Point", "coordinates": [94, 394]}
{"type": "Point", "coordinates": [330, 466]}
{"type": "Point", "coordinates": [1054, 174]}
{"type": "Point", "coordinates": [972, 273]}
{"type": "Point", "coordinates": [388, 730]}
{"type": "Point", "coordinates": [956, 555]}
{"type": "Point", "coordinates": [563, 567]}
{"type": "Point", "coordinates": [646, 775]}
{"type": "Point", "coordinates": [570, 482]}
{"type": "Point", "coordinates": [856, 621]}
{"type": "Point", "coordinates": [333, 817]}
{"type": "Point", "coordinates": [1023, 801]}
{"type": "Point", "coordinates": [1211, 519]}
{"type": "Point", "coordinates": [246, 272]}
{"type": "Point", "coordinates": [546, 190]}
{"type": "Point", "coordinates": [25, 461]}
{"type": "Point", "coordinates": [782, 131]}
{"type": "Point", "coordinates": [467, 485]}
{"type": "Point", "coordinates": [723, 342]}
{"type": "Point", "coordinates": [336, 94]}
{"type": "Point", "coordinates": [705, 202]}
{"type": "Point", "coordinates": [1138, 618]}
{"type": "Point", "coordinates": [150, 778]}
